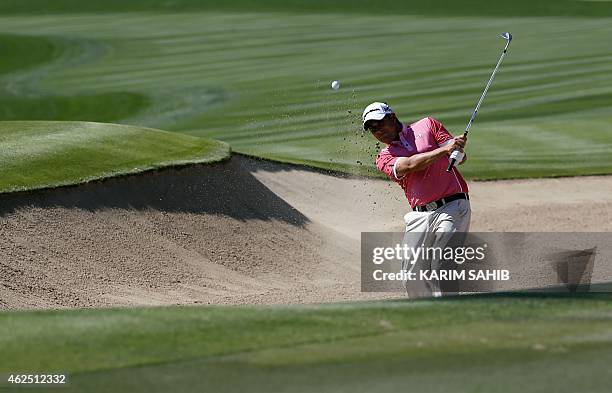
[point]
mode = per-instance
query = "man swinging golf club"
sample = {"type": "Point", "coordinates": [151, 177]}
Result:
{"type": "Point", "coordinates": [416, 157]}
{"type": "Point", "coordinates": [421, 158]}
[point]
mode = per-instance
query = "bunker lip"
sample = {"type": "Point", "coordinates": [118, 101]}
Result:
{"type": "Point", "coordinates": [241, 231]}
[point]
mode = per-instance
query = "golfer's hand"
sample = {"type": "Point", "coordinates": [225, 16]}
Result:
{"type": "Point", "coordinates": [458, 143]}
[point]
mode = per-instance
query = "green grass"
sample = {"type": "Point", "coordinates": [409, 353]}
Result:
{"type": "Point", "coordinates": [28, 59]}
{"type": "Point", "coordinates": [496, 343]}
{"type": "Point", "coordinates": [263, 85]}
{"type": "Point", "coordinates": [47, 154]}
{"type": "Point", "coordinates": [24, 52]}
{"type": "Point", "coordinates": [592, 8]}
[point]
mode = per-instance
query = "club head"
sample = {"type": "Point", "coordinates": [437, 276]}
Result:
{"type": "Point", "coordinates": [506, 36]}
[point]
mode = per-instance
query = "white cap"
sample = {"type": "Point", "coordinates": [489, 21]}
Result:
{"type": "Point", "coordinates": [375, 111]}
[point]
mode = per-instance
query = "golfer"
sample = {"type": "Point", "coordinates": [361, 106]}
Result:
{"type": "Point", "coordinates": [416, 158]}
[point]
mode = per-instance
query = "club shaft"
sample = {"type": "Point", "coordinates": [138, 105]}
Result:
{"type": "Point", "coordinates": [453, 160]}
{"type": "Point", "coordinates": [484, 93]}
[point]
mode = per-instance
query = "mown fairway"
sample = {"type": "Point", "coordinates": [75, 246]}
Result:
{"type": "Point", "coordinates": [260, 80]}
{"type": "Point", "coordinates": [488, 343]}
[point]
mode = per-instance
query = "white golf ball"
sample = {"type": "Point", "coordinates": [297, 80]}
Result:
{"type": "Point", "coordinates": [335, 85]}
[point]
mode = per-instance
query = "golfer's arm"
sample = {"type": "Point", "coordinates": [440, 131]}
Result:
{"type": "Point", "coordinates": [418, 162]}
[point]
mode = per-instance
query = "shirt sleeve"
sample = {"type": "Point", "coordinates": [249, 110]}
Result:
{"type": "Point", "coordinates": [441, 135]}
{"type": "Point", "coordinates": [385, 163]}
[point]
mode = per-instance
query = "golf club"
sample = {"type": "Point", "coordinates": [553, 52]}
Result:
{"type": "Point", "coordinates": [455, 154]}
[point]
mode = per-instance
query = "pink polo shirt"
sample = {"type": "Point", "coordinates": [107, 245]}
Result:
{"type": "Point", "coordinates": [431, 183]}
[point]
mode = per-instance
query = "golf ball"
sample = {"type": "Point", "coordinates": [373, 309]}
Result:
{"type": "Point", "coordinates": [335, 85]}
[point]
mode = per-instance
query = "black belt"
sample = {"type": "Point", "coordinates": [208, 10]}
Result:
{"type": "Point", "coordinates": [435, 205]}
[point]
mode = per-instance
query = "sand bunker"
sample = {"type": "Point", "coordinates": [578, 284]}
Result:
{"type": "Point", "coordinates": [240, 232]}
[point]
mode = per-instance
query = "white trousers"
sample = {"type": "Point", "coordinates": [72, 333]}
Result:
{"type": "Point", "coordinates": [446, 226]}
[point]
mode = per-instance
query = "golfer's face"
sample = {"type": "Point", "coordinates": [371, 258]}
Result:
{"type": "Point", "coordinates": [384, 130]}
